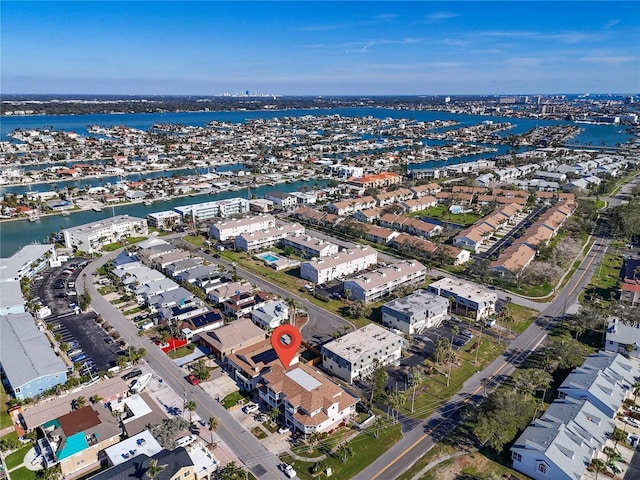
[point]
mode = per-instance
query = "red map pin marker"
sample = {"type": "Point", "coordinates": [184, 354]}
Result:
{"type": "Point", "coordinates": [285, 341]}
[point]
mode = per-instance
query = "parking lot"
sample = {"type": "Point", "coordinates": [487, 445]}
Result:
{"type": "Point", "coordinates": [88, 344]}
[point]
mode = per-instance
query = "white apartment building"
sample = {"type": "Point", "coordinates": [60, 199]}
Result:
{"type": "Point", "coordinates": [228, 229]}
{"type": "Point", "coordinates": [371, 286]}
{"type": "Point", "coordinates": [355, 354]}
{"type": "Point", "coordinates": [416, 312]}
{"type": "Point", "coordinates": [346, 262]}
{"type": "Point", "coordinates": [309, 246]}
{"type": "Point", "coordinates": [251, 241]}
{"type": "Point", "coordinates": [165, 219]}
{"type": "Point", "coordinates": [91, 237]}
{"type": "Point", "coordinates": [478, 302]}
{"type": "Point", "coordinates": [219, 208]}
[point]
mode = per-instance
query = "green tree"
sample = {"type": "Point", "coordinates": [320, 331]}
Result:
{"type": "Point", "coordinates": [598, 466]}
{"type": "Point", "coordinates": [273, 414]}
{"type": "Point", "coordinates": [312, 440]}
{"type": "Point", "coordinates": [51, 473]}
{"type": "Point", "coordinates": [500, 417]}
{"type": "Point", "coordinates": [232, 471]}
{"type": "Point", "coordinates": [154, 469]}
{"type": "Point", "coordinates": [80, 402]}
{"type": "Point", "coordinates": [191, 406]}
{"type": "Point", "coordinates": [345, 451]}
{"type": "Point", "coordinates": [213, 426]}
{"type": "Point", "coordinates": [529, 380]}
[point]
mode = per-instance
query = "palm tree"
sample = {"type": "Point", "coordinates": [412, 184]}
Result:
{"type": "Point", "coordinates": [153, 470]}
{"type": "Point", "coordinates": [313, 440]}
{"type": "Point", "coordinates": [417, 377]}
{"type": "Point", "coordinates": [190, 406]}
{"type": "Point", "coordinates": [232, 471]}
{"type": "Point", "coordinates": [598, 466]}
{"type": "Point", "coordinates": [345, 451]}
{"type": "Point", "coordinates": [213, 426]}
{"type": "Point", "coordinates": [80, 402]}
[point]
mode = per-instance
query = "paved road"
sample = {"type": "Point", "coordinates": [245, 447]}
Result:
{"type": "Point", "coordinates": [262, 463]}
{"type": "Point", "coordinates": [416, 442]}
{"type": "Point", "coordinates": [322, 323]}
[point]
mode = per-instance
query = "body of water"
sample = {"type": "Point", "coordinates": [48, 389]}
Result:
{"type": "Point", "coordinates": [595, 134]}
{"type": "Point", "coordinates": [18, 233]}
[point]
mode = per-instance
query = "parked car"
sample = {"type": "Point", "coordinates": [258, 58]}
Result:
{"type": "Point", "coordinates": [132, 374]}
{"type": "Point", "coordinates": [192, 379]}
{"type": "Point", "coordinates": [288, 470]}
{"type": "Point", "coordinates": [631, 421]}
{"type": "Point", "coordinates": [251, 408]}
{"type": "Point", "coordinates": [82, 356]}
{"type": "Point", "coordinates": [283, 430]}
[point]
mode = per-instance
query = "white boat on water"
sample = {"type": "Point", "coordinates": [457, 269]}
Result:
{"type": "Point", "coordinates": [97, 209]}
{"type": "Point", "coordinates": [65, 213]}
{"type": "Point", "coordinates": [141, 383]}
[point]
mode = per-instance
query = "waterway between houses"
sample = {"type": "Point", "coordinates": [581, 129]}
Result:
{"type": "Point", "coordinates": [14, 235]}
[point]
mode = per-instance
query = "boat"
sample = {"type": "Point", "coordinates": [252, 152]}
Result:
{"type": "Point", "coordinates": [34, 218]}
{"type": "Point", "coordinates": [65, 213]}
{"type": "Point", "coordinates": [141, 383]}
{"type": "Point", "coordinates": [97, 209]}
{"type": "Point", "coordinates": [148, 202]}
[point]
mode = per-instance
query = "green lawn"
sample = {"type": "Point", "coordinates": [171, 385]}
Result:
{"type": "Point", "coordinates": [258, 433]}
{"type": "Point", "coordinates": [523, 317]}
{"type": "Point", "coordinates": [182, 351]}
{"type": "Point", "coordinates": [435, 391]}
{"type": "Point", "coordinates": [366, 450]}
{"type": "Point", "coordinates": [23, 474]}
{"type": "Point", "coordinates": [441, 212]}
{"type": "Point", "coordinates": [132, 311]}
{"type": "Point", "coordinates": [440, 449]}
{"type": "Point", "coordinates": [17, 457]}
{"type": "Point", "coordinates": [605, 281]}
{"type": "Point", "coordinates": [5, 419]}
{"type": "Point", "coordinates": [197, 240]}
{"type": "Point", "coordinates": [232, 399]}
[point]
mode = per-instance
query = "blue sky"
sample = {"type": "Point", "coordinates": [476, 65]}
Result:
{"type": "Point", "coordinates": [320, 48]}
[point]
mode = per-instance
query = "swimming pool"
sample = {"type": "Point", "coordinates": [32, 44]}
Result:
{"type": "Point", "coordinates": [268, 257]}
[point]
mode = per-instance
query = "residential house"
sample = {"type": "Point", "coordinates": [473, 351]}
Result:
{"type": "Point", "coordinates": [270, 314]}
{"type": "Point", "coordinates": [232, 337]}
{"type": "Point", "coordinates": [309, 246]}
{"type": "Point", "coordinates": [309, 402]}
{"type": "Point", "coordinates": [242, 304]}
{"type": "Point", "coordinates": [513, 260]}
{"type": "Point", "coordinates": [622, 338]}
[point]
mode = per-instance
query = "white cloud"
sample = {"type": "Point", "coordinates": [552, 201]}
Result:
{"type": "Point", "coordinates": [610, 59]}
{"type": "Point", "coordinates": [440, 16]}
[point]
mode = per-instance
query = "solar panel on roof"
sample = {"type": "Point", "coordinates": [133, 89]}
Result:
{"type": "Point", "coordinates": [265, 357]}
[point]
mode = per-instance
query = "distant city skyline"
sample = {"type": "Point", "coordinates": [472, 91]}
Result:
{"type": "Point", "coordinates": [319, 48]}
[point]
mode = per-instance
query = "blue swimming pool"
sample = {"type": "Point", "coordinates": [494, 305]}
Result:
{"type": "Point", "coordinates": [268, 257]}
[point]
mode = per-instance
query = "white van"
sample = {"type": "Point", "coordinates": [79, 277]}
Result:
{"type": "Point", "coordinates": [184, 441]}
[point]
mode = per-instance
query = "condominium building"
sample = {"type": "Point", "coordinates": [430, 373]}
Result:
{"type": "Point", "coordinates": [228, 229]}
{"type": "Point", "coordinates": [356, 354]}
{"type": "Point", "coordinates": [477, 302]}
{"type": "Point", "coordinates": [255, 240]}
{"type": "Point", "coordinates": [91, 237]}
{"type": "Point", "coordinates": [371, 286]}
{"type": "Point", "coordinates": [309, 246]}
{"type": "Point", "coordinates": [416, 312]}
{"type": "Point", "coordinates": [164, 220]}
{"type": "Point", "coordinates": [346, 262]}
{"type": "Point", "coordinates": [217, 209]}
